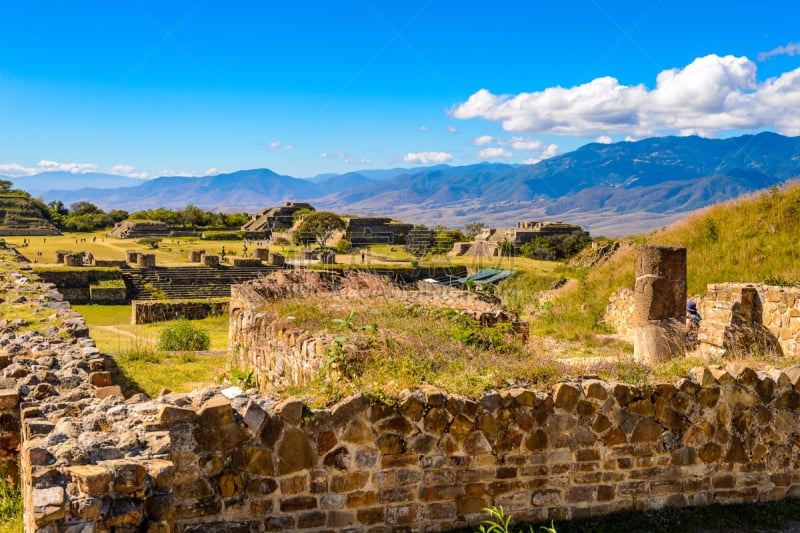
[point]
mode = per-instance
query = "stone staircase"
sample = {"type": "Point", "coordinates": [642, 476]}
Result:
{"type": "Point", "coordinates": [194, 282]}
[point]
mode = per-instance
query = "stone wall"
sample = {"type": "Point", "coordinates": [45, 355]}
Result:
{"type": "Point", "coordinates": [222, 460]}
{"type": "Point", "coordinates": [226, 461]}
{"type": "Point", "coordinates": [78, 285]}
{"type": "Point", "coordinates": [281, 354]}
{"type": "Point", "coordinates": [738, 317]}
{"type": "Point", "coordinates": [146, 312]}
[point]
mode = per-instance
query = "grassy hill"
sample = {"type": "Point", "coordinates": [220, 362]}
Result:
{"type": "Point", "coordinates": [750, 239]}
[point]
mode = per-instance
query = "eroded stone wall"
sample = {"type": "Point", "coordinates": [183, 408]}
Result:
{"type": "Point", "coordinates": [282, 354]}
{"type": "Point", "coordinates": [738, 317]}
{"type": "Point", "coordinates": [147, 312]}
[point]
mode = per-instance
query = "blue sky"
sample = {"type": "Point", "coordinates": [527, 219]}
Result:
{"type": "Point", "coordinates": [148, 88]}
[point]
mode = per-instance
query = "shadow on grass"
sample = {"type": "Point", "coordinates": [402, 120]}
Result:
{"type": "Point", "coordinates": [128, 385]}
{"type": "Point", "coordinates": [773, 517]}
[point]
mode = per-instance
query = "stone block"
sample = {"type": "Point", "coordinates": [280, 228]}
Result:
{"type": "Point", "coordinates": [105, 392]}
{"type": "Point", "coordinates": [92, 480]}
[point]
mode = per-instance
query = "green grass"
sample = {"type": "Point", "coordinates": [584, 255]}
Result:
{"type": "Point", "coordinates": [140, 367]}
{"type": "Point", "coordinates": [10, 503]}
{"type": "Point", "coordinates": [381, 347]}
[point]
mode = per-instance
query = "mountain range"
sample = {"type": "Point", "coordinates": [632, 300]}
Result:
{"type": "Point", "coordinates": [611, 189]}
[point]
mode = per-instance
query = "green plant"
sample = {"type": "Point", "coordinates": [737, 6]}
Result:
{"type": "Point", "coordinates": [183, 336]}
{"type": "Point", "coordinates": [501, 523]}
{"type": "Point", "coordinates": [244, 379]}
{"type": "Point", "coordinates": [779, 280]}
{"type": "Point", "coordinates": [10, 498]}
{"type": "Point", "coordinates": [711, 230]}
{"type": "Point", "coordinates": [150, 242]}
{"type": "Point", "coordinates": [346, 323]}
{"type": "Point", "coordinates": [344, 246]}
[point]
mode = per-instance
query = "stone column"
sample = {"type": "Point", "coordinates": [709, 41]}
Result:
{"type": "Point", "coordinates": [277, 259]}
{"type": "Point", "coordinates": [131, 257]}
{"type": "Point", "coordinates": [210, 260]}
{"type": "Point", "coordinates": [195, 255]}
{"type": "Point", "coordinates": [262, 254]}
{"type": "Point", "coordinates": [659, 304]}
{"type": "Point", "coordinates": [146, 260]}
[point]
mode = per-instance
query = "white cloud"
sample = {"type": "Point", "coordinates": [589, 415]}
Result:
{"type": "Point", "coordinates": [549, 151]}
{"type": "Point", "coordinates": [483, 140]}
{"type": "Point", "coordinates": [427, 158]}
{"type": "Point", "coordinates": [709, 95]}
{"type": "Point", "coordinates": [182, 173]}
{"type": "Point", "coordinates": [494, 153]}
{"type": "Point", "coordinates": [790, 49]}
{"type": "Point", "coordinates": [213, 171]}
{"type": "Point", "coordinates": [278, 145]}
{"type": "Point", "coordinates": [127, 170]}
{"type": "Point", "coordinates": [521, 143]}
{"type": "Point", "coordinates": [15, 170]}
{"type": "Point", "coordinates": [74, 168]}
{"type": "Point", "coordinates": [604, 139]}
{"type": "Point", "coordinates": [423, 128]}
{"type": "Point", "coordinates": [334, 154]}
{"type": "Point", "coordinates": [365, 161]}
{"type": "Point", "coordinates": [452, 129]}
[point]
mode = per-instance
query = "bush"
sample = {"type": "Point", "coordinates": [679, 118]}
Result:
{"type": "Point", "coordinates": [222, 236]}
{"type": "Point", "coordinates": [183, 336]}
{"type": "Point", "coordinates": [344, 246]}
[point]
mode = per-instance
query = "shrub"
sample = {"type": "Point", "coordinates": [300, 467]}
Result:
{"type": "Point", "coordinates": [344, 246]}
{"type": "Point", "coordinates": [221, 236]}
{"type": "Point", "coordinates": [183, 336]}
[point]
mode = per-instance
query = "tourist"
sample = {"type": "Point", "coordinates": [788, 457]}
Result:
{"type": "Point", "coordinates": [693, 319]}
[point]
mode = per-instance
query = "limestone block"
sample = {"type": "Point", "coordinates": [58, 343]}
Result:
{"type": "Point", "coordinates": [93, 480]}
{"type": "Point", "coordinates": [294, 453]}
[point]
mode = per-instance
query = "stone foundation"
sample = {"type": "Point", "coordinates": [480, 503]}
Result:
{"type": "Point", "coordinates": [738, 318]}
{"type": "Point", "coordinates": [146, 312]}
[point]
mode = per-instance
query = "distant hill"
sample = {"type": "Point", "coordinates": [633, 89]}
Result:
{"type": "Point", "coordinates": [612, 189]}
{"type": "Point", "coordinates": [47, 181]}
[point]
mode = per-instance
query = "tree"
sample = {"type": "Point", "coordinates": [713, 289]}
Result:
{"type": "Point", "coordinates": [472, 229]}
{"type": "Point", "coordinates": [319, 226]}
{"type": "Point", "coordinates": [83, 208]}
{"type": "Point", "coordinates": [5, 186]}
{"type": "Point", "coordinates": [191, 215]}
{"type": "Point", "coordinates": [506, 248]}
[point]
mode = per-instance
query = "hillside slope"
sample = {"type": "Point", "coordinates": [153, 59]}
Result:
{"type": "Point", "coordinates": [751, 239]}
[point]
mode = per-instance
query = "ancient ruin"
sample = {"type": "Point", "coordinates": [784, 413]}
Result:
{"type": "Point", "coordinates": [273, 219]}
{"type": "Point", "coordinates": [20, 217]}
{"type": "Point", "coordinates": [376, 230]}
{"type": "Point", "coordinates": [220, 459]}
{"type": "Point", "coordinates": [659, 304]}
{"type": "Point", "coordinates": [138, 229]}
{"type": "Point", "coordinates": [487, 243]}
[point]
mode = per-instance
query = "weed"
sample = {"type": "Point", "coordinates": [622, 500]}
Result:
{"type": "Point", "coordinates": [244, 379]}
{"type": "Point", "coordinates": [10, 498]}
{"type": "Point", "coordinates": [501, 523]}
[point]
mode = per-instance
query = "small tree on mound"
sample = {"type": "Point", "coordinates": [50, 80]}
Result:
{"type": "Point", "coordinates": [319, 226]}
{"type": "Point", "coordinates": [183, 336]}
